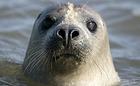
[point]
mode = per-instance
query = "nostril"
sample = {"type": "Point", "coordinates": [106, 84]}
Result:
{"type": "Point", "coordinates": [74, 34]}
{"type": "Point", "coordinates": [61, 33]}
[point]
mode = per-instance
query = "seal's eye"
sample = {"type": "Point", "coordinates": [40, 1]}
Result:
{"type": "Point", "coordinates": [91, 25]}
{"type": "Point", "coordinates": [48, 22]}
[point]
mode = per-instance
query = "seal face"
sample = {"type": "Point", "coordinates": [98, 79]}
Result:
{"type": "Point", "coordinates": [65, 41]}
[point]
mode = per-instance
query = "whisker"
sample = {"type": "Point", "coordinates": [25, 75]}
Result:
{"type": "Point", "coordinates": [38, 64]}
{"type": "Point", "coordinates": [34, 48]}
{"type": "Point", "coordinates": [101, 68]}
{"type": "Point", "coordinates": [32, 54]}
{"type": "Point", "coordinates": [48, 61]}
{"type": "Point", "coordinates": [28, 58]}
{"type": "Point", "coordinates": [32, 60]}
{"type": "Point", "coordinates": [42, 63]}
{"type": "Point", "coordinates": [34, 63]}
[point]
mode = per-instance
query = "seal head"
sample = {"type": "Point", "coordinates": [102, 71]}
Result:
{"type": "Point", "coordinates": [69, 45]}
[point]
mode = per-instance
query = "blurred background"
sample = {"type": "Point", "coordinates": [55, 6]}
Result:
{"type": "Point", "coordinates": [123, 21]}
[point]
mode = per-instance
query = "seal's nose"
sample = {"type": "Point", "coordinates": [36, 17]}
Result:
{"type": "Point", "coordinates": [70, 34]}
{"type": "Point", "coordinates": [67, 34]}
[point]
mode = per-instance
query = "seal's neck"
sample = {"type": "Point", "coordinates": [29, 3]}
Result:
{"type": "Point", "coordinates": [89, 76]}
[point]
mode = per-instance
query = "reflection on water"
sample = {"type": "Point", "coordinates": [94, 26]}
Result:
{"type": "Point", "coordinates": [123, 21]}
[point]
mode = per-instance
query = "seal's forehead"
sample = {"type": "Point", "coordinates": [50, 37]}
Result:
{"type": "Point", "coordinates": [71, 11]}
{"type": "Point", "coordinates": [67, 8]}
{"type": "Point", "coordinates": [60, 8]}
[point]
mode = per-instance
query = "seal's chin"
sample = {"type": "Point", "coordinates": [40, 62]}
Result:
{"type": "Point", "coordinates": [66, 63]}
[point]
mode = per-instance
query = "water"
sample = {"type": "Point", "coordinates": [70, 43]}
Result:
{"type": "Point", "coordinates": [122, 18]}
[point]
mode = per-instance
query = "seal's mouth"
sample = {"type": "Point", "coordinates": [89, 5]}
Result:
{"type": "Point", "coordinates": [65, 56]}
{"type": "Point", "coordinates": [66, 62]}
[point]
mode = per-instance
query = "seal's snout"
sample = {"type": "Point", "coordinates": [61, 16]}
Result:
{"type": "Point", "coordinates": [70, 34]}
{"type": "Point", "coordinates": [67, 34]}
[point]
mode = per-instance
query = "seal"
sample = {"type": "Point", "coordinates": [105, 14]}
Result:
{"type": "Point", "coordinates": [69, 46]}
